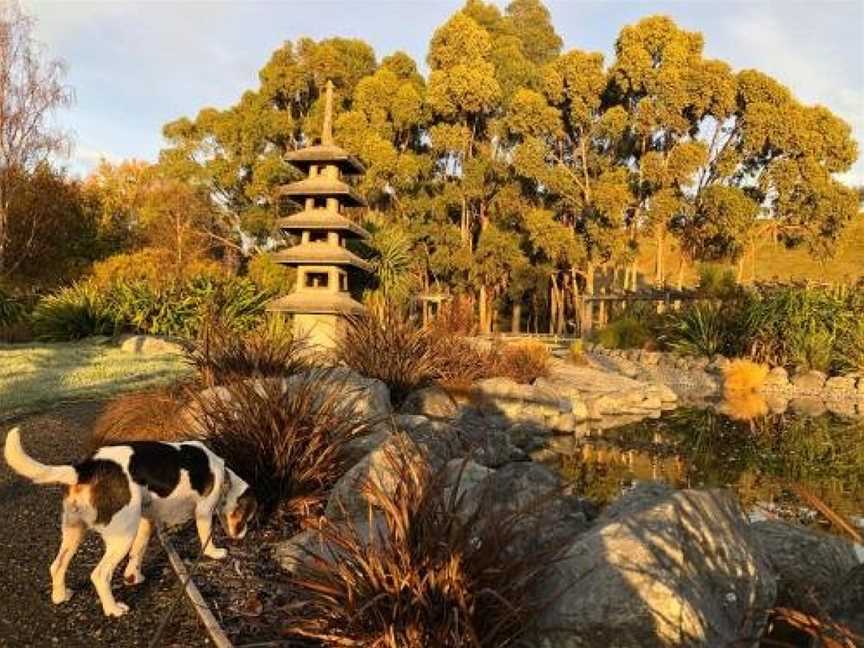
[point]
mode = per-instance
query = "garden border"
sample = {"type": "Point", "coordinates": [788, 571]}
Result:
{"type": "Point", "coordinates": [193, 594]}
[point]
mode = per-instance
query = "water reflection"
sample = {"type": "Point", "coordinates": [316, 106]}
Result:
{"type": "Point", "coordinates": [758, 455]}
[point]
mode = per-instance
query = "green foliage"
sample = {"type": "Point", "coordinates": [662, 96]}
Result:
{"type": "Point", "coordinates": [716, 282]}
{"type": "Point", "coordinates": [627, 332]}
{"type": "Point", "coordinates": [269, 276]}
{"type": "Point", "coordinates": [700, 329]}
{"type": "Point", "coordinates": [177, 308]}
{"type": "Point", "coordinates": [799, 327]}
{"type": "Point", "coordinates": [11, 310]}
{"type": "Point", "coordinates": [72, 313]}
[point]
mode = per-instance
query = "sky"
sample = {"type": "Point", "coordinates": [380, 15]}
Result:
{"type": "Point", "coordinates": [135, 65]}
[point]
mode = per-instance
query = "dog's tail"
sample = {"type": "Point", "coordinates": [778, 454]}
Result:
{"type": "Point", "coordinates": [25, 465]}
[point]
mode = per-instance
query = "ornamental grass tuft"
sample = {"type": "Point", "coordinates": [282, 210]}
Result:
{"type": "Point", "coordinates": [432, 572]}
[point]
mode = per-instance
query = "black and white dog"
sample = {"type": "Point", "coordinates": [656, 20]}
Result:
{"type": "Point", "coordinates": [121, 491]}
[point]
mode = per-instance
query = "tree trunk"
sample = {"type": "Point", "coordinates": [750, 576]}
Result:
{"type": "Point", "coordinates": [516, 317]}
{"type": "Point", "coordinates": [681, 264]}
{"type": "Point", "coordinates": [658, 261]}
{"type": "Point", "coordinates": [482, 305]}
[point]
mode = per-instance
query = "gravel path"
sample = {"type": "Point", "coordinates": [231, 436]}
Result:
{"type": "Point", "coordinates": [29, 537]}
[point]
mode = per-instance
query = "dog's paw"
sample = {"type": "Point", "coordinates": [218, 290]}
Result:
{"type": "Point", "coordinates": [117, 610]}
{"type": "Point", "coordinates": [216, 553]}
{"type": "Point", "coordinates": [133, 578]}
{"type": "Point", "coordinates": [61, 596]}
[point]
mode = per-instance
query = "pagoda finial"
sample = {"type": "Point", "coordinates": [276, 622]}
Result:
{"type": "Point", "coordinates": [327, 130]}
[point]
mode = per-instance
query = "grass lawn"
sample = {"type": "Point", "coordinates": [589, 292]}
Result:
{"type": "Point", "coordinates": [35, 376]}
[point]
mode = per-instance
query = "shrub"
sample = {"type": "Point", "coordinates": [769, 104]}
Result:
{"type": "Point", "coordinates": [699, 329]}
{"type": "Point", "coordinates": [804, 328]}
{"type": "Point", "coordinates": [149, 415]}
{"type": "Point", "coordinates": [577, 353]}
{"type": "Point", "coordinates": [433, 574]}
{"type": "Point", "coordinates": [743, 375]}
{"type": "Point", "coordinates": [716, 281]}
{"type": "Point", "coordinates": [269, 276]}
{"type": "Point", "coordinates": [849, 353]}
{"type": "Point", "coordinates": [147, 266]}
{"type": "Point", "coordinates": [455, 317]}
{"type": "Point", "coordinates": [181, 308]}
{"type": "Point", "coordinates": [391, 348]}
{"type": "Point", "coordinates": [627, 332]}
{"type": "Point", "coordinates": [221, 356]}
{"type": "Point", "coordinates": [72, 313]}
{"type": "Point", "coordinates": [283, 437]}
{"type": "Point", "coordinates": [524, 361]}
{"type": "Point", "coordinates": [11, 310]}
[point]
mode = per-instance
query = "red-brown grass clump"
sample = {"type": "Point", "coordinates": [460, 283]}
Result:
{"type": "Point", "coordinates": [148, 415]}
{"type": "Point", "coordinates": [435, 573]}
{"type": "Point", "coordinates": [222, 356]}
{"type": "Point", "coordinates": [285, 437]}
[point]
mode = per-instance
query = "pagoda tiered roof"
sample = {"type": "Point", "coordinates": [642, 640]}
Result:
{"type": "Point", "coordinates": [319, 253]}
{"type": "Point", "coordinates": [335, 303]}
{"type": "Point", "coordinates": [325, 154]}
{"type": "Point", "coordinates": [320, 219]}
{"type": "Point", "coordinates": [322, 186]}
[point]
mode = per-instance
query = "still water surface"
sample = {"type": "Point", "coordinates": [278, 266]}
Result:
{"type": "Point", "coordinates": [768, 460]}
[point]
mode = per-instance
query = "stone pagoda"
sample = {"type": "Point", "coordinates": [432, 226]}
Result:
{"type": "Point", "coordinates": [321, 295]}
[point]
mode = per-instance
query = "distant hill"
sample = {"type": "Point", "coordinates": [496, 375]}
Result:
{"type": "Point", "coordinates": [774, 261]}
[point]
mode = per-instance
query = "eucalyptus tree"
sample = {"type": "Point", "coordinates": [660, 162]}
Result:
{"type": "Point", "coordinates": [236, 153]}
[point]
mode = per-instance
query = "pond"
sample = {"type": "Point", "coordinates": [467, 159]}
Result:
{"type": "Point", "coordinates": [788, 464]}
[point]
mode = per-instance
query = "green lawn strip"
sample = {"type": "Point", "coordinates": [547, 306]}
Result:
{"type": "Point", "coordinates": [34, 376]}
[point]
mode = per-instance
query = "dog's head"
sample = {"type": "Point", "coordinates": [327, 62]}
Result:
{"type": "Point", "coordinates": [238, 508]}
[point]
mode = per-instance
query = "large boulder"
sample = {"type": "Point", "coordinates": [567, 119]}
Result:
{"type": "Point", "coordinates": [661, 568]}
{"type": "Point", "coordinates": [427, 446]}
{"type": "Point", "coordinates": [809, 382]}
{"type": "Point", "coordinates": [431, 401]}
{"type": "Point", "coordinates": [518, 402]}
{"type": "Point", "coordinates": [150, 344]}
{"type": "Point", "coordinates": [809, 563]}
{"type": "Point", "coordinates": [534, 492]}
{"type": "Point", "coordinates": [846, 606]}
{"type": "Point", "coordinates": [777, 378]}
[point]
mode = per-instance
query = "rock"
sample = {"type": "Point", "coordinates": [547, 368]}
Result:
{"type": "Point", "coordinates": [661, 568]}
{"type": "Point", "coordinates": [148, 344]}
{"type": "Point", "coordinates": [533, 489]}
{"type": "Point", "coordinates": [809, 382]}
{"type": "Point", "coordinates": [860, 386]}
{"type": "Point", "coordinates": [504, 397]}
{"type": "Point", "coordinates": [808, 405]}
{"type": "Point", "coordinates": [464, 473]}
{"type": "Point", "coordinates": [371, 396]}
{"type": "Point", "coordinates": [565, 423]}
{"type": "Point", "coordinates": [846, 606]}
{"type": "Point", "coordinates": [488, 445]}
{"type": "Point", "coordinates": [717, 364]}
{"type": "Point", "coordinates": [430, 445]}
{"type": "Point", "coordinates": [295, 551]}
{"type": "Point", "coordinates": [432, 402]}
{"type": "Point", "coordinates": [808, 563]}
{"type": "Point", "coordinates": [777, 378]}
{"type": "Point", "coordinates": [840, 383]}
{"type": "Point", "coordinates": [528, 436]}
{"type": "Point", "coordinates": [360, 446]}
{"type": "Point", "coordinates": [650, 358]}
{"type": "Point", "coordinates": [777, 404]}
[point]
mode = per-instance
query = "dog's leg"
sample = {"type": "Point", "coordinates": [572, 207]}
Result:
{"type": "Point", "coordinates": [204, 524]}
{"type": "Point", "coordinates": [118, 537]}
{"type": "Point", "coordinates": [73, 533]}
{"type": "Point", "coordinates": [132, 575]}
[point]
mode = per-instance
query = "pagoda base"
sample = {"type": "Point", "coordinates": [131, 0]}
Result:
{"type": "Point", "coordinates": [321, 330]}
